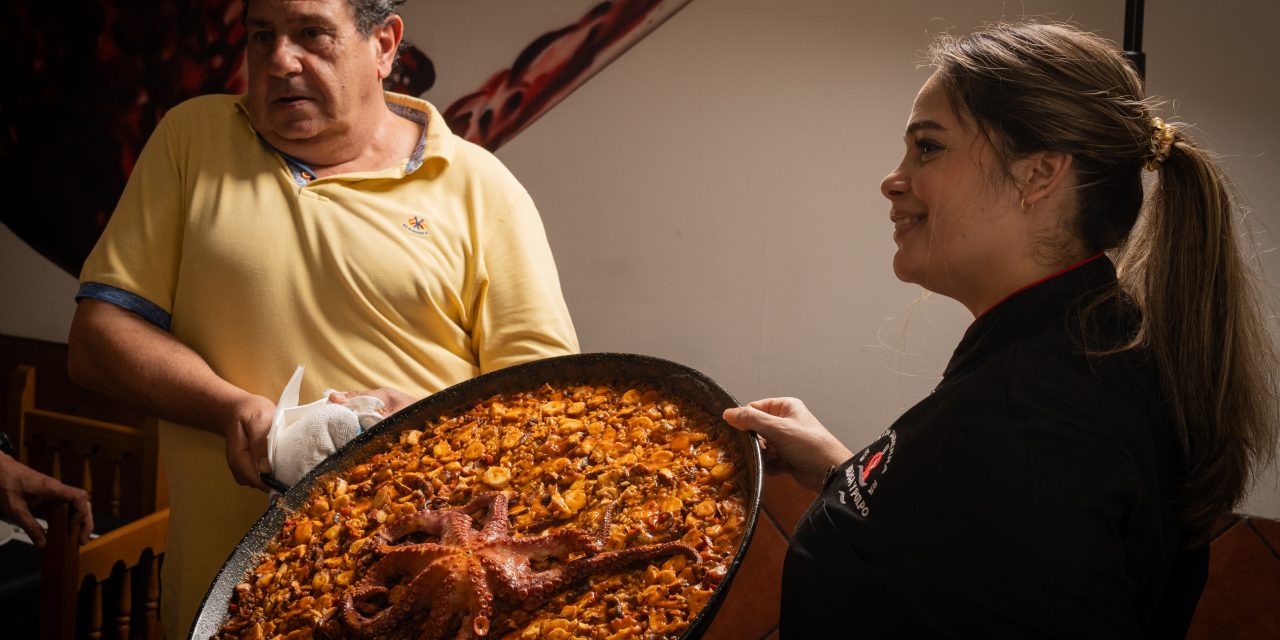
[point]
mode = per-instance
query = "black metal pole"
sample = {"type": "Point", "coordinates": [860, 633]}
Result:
{"type": "Point", "coordinates": [1133, 37]}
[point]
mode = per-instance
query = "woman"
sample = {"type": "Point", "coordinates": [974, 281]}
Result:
{"type": "Point", "coordinates": [1063, 477]}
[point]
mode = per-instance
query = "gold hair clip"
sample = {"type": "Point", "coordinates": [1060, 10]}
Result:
{"type": "Point", "coordinates": [1161, 143]}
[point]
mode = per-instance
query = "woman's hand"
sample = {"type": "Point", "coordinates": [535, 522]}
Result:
{"type": "Point", "coordinates": [791, 439]}
{"type": "Point", "coordinates": [393, 400]}
{"type": "Point", "coordinates": [21, 487]}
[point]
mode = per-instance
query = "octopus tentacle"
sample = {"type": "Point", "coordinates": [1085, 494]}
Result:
{"type": "Point", "coordinates": [446, 604]}
{"type": "Point", "coordinates": [539, 585]}
{"type": "Point", "coordinates": [451, 525]}
{"type": "Point", "coordinates": [457, 530]}
{"type": "Point", "coordinates": [479, 606]}
{"type": "Point", "coordinates": [360, 625]}
{"type": "Point", "coordinates": [544, 583]}
{"type": "Point", "coordinates": [480, 501]}
{"type": "Point", "coordinates": [418, 593]}
{"type": "Point", "coordinates": [611, 560]}
{"type": "Point", "coordinates": [413, 561]}
{"type": "Point", "coordinates": [551, 545]}
{"type": "Point", "coordinates": [606, 518]}
{"type": "Point", "coordinates": [424, 521]}
{"type": "Point", "coordinates": [496, 526]}
{"type": "Point", "coordinates": [437, 622]}
{"type": "Point", "coordinates": [406, 559]}
{"type": "Point", "coordinates": [505, 571]}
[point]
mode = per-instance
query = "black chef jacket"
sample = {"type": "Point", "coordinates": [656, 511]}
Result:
{"type": "Point", "coordinates": [1026, 497]}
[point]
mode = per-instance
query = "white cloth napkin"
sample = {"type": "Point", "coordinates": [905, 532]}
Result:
{"type": "Point", "coordinates": [302, 436]}
{"type": "Point", "coordinates": [10, 531]}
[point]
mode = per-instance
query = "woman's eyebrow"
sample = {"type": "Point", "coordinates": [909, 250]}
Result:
{"type": "Point", "coordinates": [919, 125]}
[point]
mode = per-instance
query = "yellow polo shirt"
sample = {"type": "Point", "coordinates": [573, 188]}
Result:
{"type": "Point", "coordinates": [415, 277]}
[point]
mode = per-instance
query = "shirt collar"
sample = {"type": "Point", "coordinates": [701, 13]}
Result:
{"type": "Point", "coordinates": [1029, 307]}
{"type": "Point", "coordinates": [436, 143]}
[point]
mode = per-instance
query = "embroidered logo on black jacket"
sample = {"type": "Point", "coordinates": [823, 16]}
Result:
{"type": "Point", "coordinates": [863, 474]}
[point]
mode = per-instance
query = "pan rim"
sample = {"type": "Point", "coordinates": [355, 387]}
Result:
{"type": "Point", "coordinates": [209, 619]}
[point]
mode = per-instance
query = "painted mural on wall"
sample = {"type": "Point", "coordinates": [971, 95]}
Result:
{"type": "Point", "coordinates": [551, 67]}
{"type": "Point", "coordinates": [84, 94]}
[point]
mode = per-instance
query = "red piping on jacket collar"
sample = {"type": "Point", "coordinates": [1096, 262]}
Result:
{"type": "Point", "coordinates": [1043, 280]}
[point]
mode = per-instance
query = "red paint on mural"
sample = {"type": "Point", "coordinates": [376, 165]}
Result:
{"type": "Point", "coordinates": [551, 67]}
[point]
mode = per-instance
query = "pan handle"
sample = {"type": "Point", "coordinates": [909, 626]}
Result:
{"type": "Point", "coordinates": [272, 482]}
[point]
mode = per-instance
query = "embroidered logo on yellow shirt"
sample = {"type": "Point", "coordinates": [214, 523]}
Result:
{"type": "Point", "coordinates": [417, 226]}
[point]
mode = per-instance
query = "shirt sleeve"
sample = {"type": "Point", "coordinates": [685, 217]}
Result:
{"type": "Point", "coordinates": [127, 301]}
{"type": "Point", "coordinates": [135, 262]}
{"type": "Point", "coordinates": [1024, 534]}
{"type": "Point", "coordinates": [520, 310]}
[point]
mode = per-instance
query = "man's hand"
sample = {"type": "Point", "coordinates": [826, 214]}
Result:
{"type": "Point", "coordinates": [246, 433]}
{"type": "Point", "coordinates": [393, 400]}
{"type": "Point", "coordinates": [791, 438]}
{"type": "Point", "coordinates": [116, 352]}
{"type": "Point", "coordinates": [22, 486]}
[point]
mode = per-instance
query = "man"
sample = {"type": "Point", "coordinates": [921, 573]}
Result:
{"type": "Point", "coordinates": [313, 220]}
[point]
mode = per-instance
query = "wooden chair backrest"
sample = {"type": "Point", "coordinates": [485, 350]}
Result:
{"type": "Point", "coordinates": [118, 466]}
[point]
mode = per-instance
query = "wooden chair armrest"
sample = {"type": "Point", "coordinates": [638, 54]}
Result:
{"type": "Point", "coordinates": [125, 544]}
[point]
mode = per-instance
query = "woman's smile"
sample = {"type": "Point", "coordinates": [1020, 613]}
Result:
{"type": "Point", "coordinates": [904, 222]}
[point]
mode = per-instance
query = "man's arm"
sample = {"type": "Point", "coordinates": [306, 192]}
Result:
{"type": "Point", "coordinates": [118, 353]}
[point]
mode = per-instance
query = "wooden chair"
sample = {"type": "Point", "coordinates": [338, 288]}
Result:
{"type": "Point", "coordinates": [117, 465]}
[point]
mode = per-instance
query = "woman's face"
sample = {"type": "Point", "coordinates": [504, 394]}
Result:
{"type": "Point", "coordinates": [957, 220]}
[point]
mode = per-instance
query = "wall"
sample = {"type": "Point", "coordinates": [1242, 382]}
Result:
{"type": "Point", "coordinates": [1220, 77]}
{"type": "Point", "coordinates": [38, 297]}
{"type": "Point", "coordinates": [712, 196]}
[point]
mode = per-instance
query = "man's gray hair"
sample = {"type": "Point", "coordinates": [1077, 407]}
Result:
{"type": "Point", "coordinates": [370, 14]}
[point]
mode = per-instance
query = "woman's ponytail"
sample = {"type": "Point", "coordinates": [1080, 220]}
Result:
{"type": "Point", "coordinates": [1204, 326]}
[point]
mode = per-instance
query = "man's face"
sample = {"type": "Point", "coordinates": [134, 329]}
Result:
{"type": "Point", "coordinates": [310, 70]}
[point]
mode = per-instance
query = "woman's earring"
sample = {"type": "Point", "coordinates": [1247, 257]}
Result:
{"type": "Point", "coordinates": [1025, 208]}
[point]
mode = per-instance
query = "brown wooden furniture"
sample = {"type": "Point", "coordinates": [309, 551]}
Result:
{"type": "Point", "coordinates": [1240, 598]}
{"type": "Point", "coordinates": [117, 465]}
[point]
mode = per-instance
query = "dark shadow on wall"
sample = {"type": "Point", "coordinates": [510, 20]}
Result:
{"type": "Point", "coordinates": [84, 93]}
{"type": "Point", "coordinates": [86, 84]}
